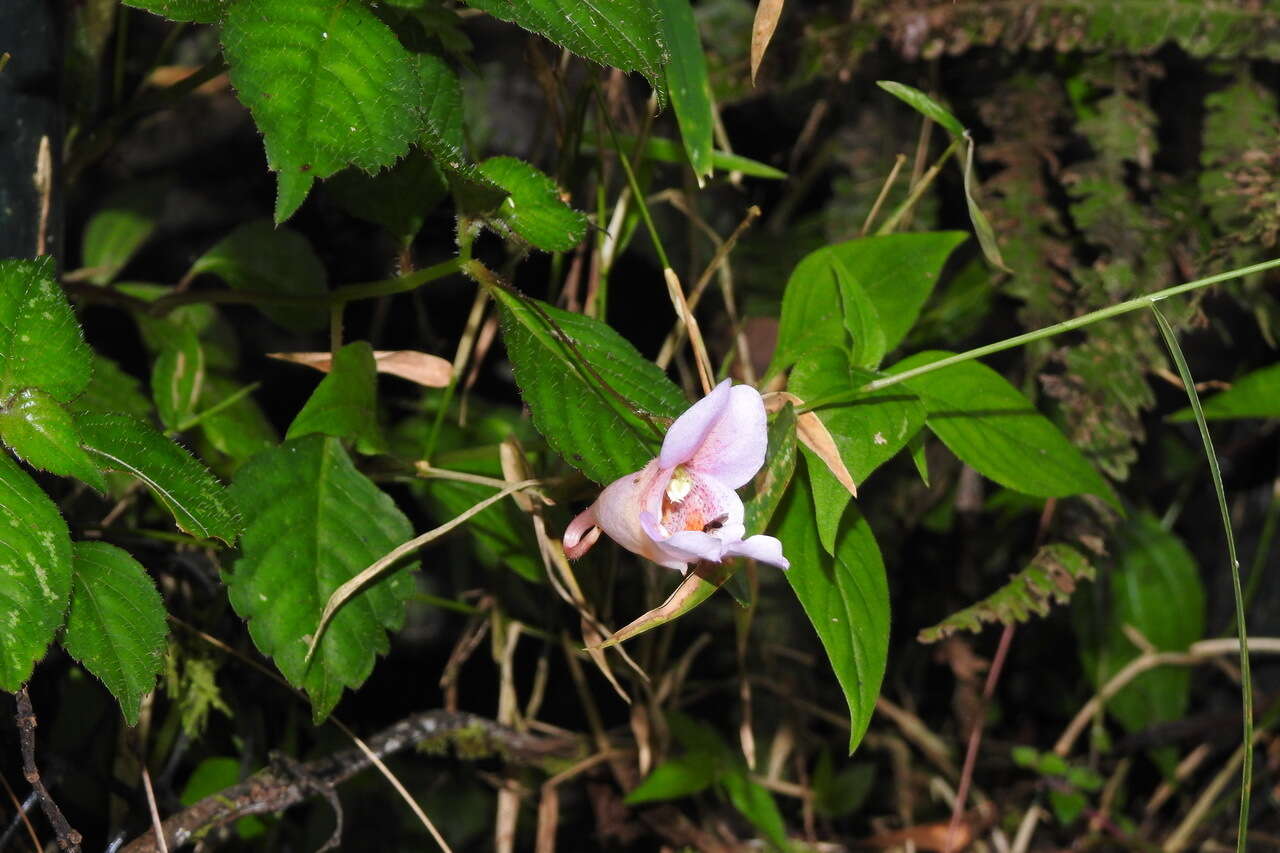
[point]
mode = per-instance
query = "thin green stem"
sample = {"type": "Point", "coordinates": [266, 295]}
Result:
{"type": "Point", "coordinates": [891, 224]}
{"type": "Point", "coordinates": [197, 418]}
{"type": "Point", "coordinates": [636, 192]}
{"type": "Point", "coordinates": [1246, 679]}
{"type": "Point", "coordinates": [1083, 320]}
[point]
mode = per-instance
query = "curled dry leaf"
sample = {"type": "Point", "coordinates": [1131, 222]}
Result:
{"type": "Point", "coordinates": [767, 15]}
{"type": "Point", "coordinates": [420, 367]}
{"type": "Point", "coordinates": [814, 434]}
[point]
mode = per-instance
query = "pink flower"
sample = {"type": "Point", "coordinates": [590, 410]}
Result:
{"type": "Point", "coordinates": [682, 507]}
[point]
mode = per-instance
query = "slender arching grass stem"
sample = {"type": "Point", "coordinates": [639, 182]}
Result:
{"type": "Point", "coordinates": [1047, 332]}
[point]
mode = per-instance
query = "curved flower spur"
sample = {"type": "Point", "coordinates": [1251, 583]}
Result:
{"type": "Point", "coordinates": [682, 507]}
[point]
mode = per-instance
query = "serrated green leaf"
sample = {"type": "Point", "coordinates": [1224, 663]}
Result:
{"type": "Point", "coordinates": [116, 626]}
{"type": "Point", "coordinates": [845, 596]}
{"type": "Point", "coordinates": [533, 207]}
{"type": "Point", "coordinates": [1254, 395]}
{"type": "Point", "coordinates": [923, 104]}
{"type": "Point", "coordinates": [687, 81]}
{"type": "Point", "coordinates": [990, 425]}
{"type": "Point", "coordinates": [398, 198]}
{"type": "Point", "coordinates": [328, 85]}
{"type": "Point", "coordinates": [1050, 578]}
{"type": "Point", "coordinates": [42, 433]}
{"type": "Point", "coordinates": [239, 429]}
{"type": "Point", "coordinates": [198, 502]}
{"type": "Point", "coordinates": [1155, 587]}
{"type": "Point", "coordinates": [316, 522]}
{"type": "Point", "coordinates": [623, 33]}
{"type": "Point", "coordinates": [261, 258]}
{"type": "Point", "coordinates": [194, 11]}
{"type": "Point", "coordinates": [116, 232]}
{"type": "Point", "coordinates": [41, 345]}
{"type": "Point", "coordinates": [113, 390]}
{"type": "Point", "coordinates": [35, 573]}
{"type": "Point", "coordinates": [345, 403]}
{"type": "Point", "coordinates": [573, 387]}
{"type": "Point", "coordinates": [177, 378]}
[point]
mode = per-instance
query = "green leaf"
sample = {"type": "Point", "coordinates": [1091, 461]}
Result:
{"type": "Point", "coordinates": [981, 225]}
{"type": "Point", "coordinates": [35, 573]}
{"type": "Point", "coordinates": [198, 502]}
{"type": "Point", "coordinates": [673, 779]}
{"type": "Point", "coordinates": [261, 258]}
{"type": "Point", "coordinates": [1050, 578]}
{"type": "Point", "coordinates": [533, 207]}
{"type": "Point", "coordinates": [116, 232]}
{"type": "Point", "coordinates": [772, 481]}
{"type": "Point", "coordinates": [345, 403]}
{"type": "Point", "coordinates": [1154, 586]}
{"type": "Point", "coordinates": [239, 429]}
{"type": "Point", "coordinates": [113, 390]}
{"type": "Point", "coordinates": [328, 85]}
{"type": "Point", "coordinates": [194, 11]}
{"type": "Point", "coordinates": [41, 345]}
{"type": "Point", "coordinates": [868, 430]}
{"type": "Point", "coordinates": [398, 198]}
{"type": "Point", "coordinates": [116, 626]}
{"type": "Point", "coordinates": [836, 795]}
{"type": "Point", "coordinates": [896, 272]}
{"type": "Point", "coordinates": [923, 104]}
{"type": "Point", "coordinates": [687, 81]}
{"type": "Point", "coordinates": [42, 433]}
{"type": "Point", "coordinates": [860, 318]}
{"type": "Point", "coordinates": [757, 805]}
{"type": "Point", "coordinates": [626, 34]}
{"type": "Point", "coordinates": [315, 523]}
{"type": "Point", "coordinates": [1254, 395]}
{"type": "Point", "coordinates": [177, 378]}
{"type": "Point", "coordinates": [990, 425]}
{"type": "Point", "coordinates": [845, 596]}
{"type": "Point", "coordinates": [585, 384]}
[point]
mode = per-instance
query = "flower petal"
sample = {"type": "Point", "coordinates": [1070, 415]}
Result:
{"type": "Point", "coordinates": [581, 533]}
{"type": "Point", "coordinates": [766, 549]}
{"type": "Point", "coordinates": [733, 449]}
{"type": "Point", "coordinates": [694, 545]}
{"type": "Point", "coordinates": [686, 435]}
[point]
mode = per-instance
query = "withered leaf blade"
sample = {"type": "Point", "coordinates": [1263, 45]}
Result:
{"type": "Point", "coordinates": [420, 367]}
{"type": "Point", "coordinates": [703, 580]}
{"type": "Point", "coordinates": [813, 433]}
{"type": "Point", "coordinates": [767, 15]}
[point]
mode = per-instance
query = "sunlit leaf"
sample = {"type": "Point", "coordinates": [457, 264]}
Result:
{"type": "Point", "coordinates": [533, 207]}
{"type": "Point", "coordinates": [116, 625]}
{"type": "Point", "coordinates": [585, 384]}
{"type": "Point", "coordinates": [687, 83]}
{"type": "Point", "coordinates": [43, 434]}
{"type": "Point", "coordinates": [344, 404]}
{"type": "Point", "coordinates": [41, 345]}
{"type": "Point", "coordinates": [623, 33]}
{"type": "Point", "coordinates": [197, 501]}
{"type": "Point", "coordinates": [1254, 395]}
{"type": "Point", "coordinates": [314, 523]}
{"type": "Point", "coordinates": [35, 573]}
{"type": "Point", "coordinates": [990, 425]}
{"type": "Point", "coordinates": [845, 596]}
{"type": "Point", "coordinates": [328, 85]}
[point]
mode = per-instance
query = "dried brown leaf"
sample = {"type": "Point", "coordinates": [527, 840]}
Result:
{"type": "Point", "coordinates": [420, 367]}
{"type": "Point", "coordinates": [767, 15]}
